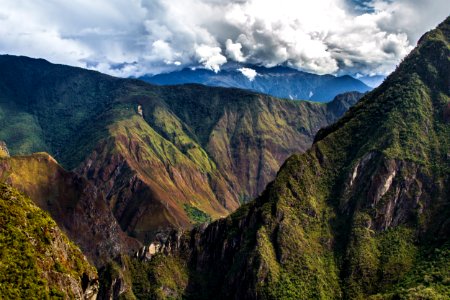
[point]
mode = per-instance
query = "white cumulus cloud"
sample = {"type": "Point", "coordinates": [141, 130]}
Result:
{"type": "Point", "coordinates": [233, 51]}
{"type": "Point", "coordinates": [210, 57]}
{"type": "Point", "coordinates": [249, 73]}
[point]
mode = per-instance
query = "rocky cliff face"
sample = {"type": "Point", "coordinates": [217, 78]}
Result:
{"type": "Point", "coordinates": [37, 259]}
{"type": "Point", "coordinates": [362, 214]}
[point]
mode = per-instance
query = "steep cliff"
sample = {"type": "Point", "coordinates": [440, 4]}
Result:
{"type": "Point", "coordinates": [363, 214]}
{"type": "Point", "coordinates": [37, 261]}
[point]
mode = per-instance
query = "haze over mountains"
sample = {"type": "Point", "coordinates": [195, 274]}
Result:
{"type": "Point", "coordinates": [281, 82]}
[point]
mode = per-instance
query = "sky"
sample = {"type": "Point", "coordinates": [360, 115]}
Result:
{"type": "Point", "coordinates": [135, 37]}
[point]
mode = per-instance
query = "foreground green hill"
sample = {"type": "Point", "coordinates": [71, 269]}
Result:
{"type": "Point", "coordinates": [37, 261]}
{"type": "Point", "coordinates": [363, 214]}
{"type": "Point", "coordinates": [163, 157]}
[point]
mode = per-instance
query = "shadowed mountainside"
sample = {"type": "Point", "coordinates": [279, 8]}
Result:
{"type": "Point", "coordinates": [73, 202]}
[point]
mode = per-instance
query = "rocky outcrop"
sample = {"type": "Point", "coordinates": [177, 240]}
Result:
{"type": "Point", "coordinates": [3, 150]}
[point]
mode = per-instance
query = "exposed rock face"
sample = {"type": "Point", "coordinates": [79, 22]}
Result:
{"type": "Point", "coordinates": [363, 213]}
{"type": "Point", "coordinates": [3, 150]}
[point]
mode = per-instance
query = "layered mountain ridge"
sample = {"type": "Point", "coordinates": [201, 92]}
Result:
{"type": "Point", "coordinates": [363, 214]}
{"type": "Point", "coordinates": [281, 82]}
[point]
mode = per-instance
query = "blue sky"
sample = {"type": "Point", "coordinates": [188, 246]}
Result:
{"type": "Point", "coordinates": [135, 37]}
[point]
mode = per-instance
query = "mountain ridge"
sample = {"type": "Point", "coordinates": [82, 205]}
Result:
{"type": "Point", "coordinates": [280, 81]}
{"type": "Point", "coordinates": [75, 204]}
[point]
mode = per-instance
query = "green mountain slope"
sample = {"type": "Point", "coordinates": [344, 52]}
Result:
{"type": "Point", "coordinates": [37, 261]}
{"type": "Point", "coordinates": [161, 156]}
{"type": "Point", "coordinates": [363, 214]}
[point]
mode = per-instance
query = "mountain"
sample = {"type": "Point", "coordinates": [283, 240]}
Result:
{"type": "Point", "coordinates": [37, 260]}
{"type": "Point", "coordinates": [281, 82]}
{"type": "Point", "coordinates": [363, 214]}
{"type": "Point", "coordinates": [160, 157]}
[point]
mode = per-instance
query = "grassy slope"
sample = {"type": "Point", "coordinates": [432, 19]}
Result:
{"type": "Point", "coordinates": [37, 260]}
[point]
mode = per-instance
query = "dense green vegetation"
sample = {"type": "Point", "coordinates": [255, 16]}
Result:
{"type": "Point", "coordinates": [159, 278]}
{"type": "Point", "coordinates": [196, 215]}
{"type": "Point", "coordinates": [37, 260]}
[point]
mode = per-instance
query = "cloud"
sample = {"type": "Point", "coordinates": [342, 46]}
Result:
{"type": "Point", "coordinates": [249, 73]}
{"type": "Point", "coordinates": [233, 51]}
{"type": "Point", "coordinates": [210, 57]}
{"type": "Point", "coordinates": [134, 37]}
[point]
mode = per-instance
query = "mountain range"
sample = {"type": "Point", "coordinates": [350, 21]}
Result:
{"type": "Point", "coordinates": [280, 81]}
{"type": "Point", "coordinates": [159, 157]}
{"type": "Point", "coordinates": [148, 176]}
